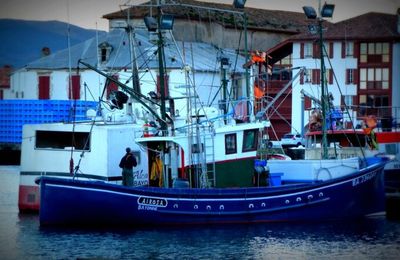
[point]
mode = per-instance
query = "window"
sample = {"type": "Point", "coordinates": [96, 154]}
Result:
{"type": "Point", "coordinates": [328, 49]}
{"type": "Point", "coordinates": [374, 78]}
{"type": "Point", "coordinates": [349, 76]}
{"type": "Point", "coordinates": [230, 144]}
{"type": "Point", "coordinates": [308, 50]}
{"type": "Point", "coordinates": [374, 52]}
{"type": "Point", "coordinates": [385, 52]}
{"type": "Point", "coordinates": [308, 73]}
{"type": "Point", "coordinates": [287, 60]}
{"type": "Point", "coordinates": [385, 78]}
{"type": "Point", "coordinates": [250, 140]}
{"type": "Point", "coordinates": [370, 103]}
{"type": "Point", "coordinates": [363, 78]}
{"type": "Point", "coordinates": [62, 140]}
{"type": "Point", "coordinates": [363, 52]}
{"type": "Point", "coordinates": [348, 100]}
{"type": "Point", "coordinates": [349, 49]}
{"type": "Point", "coordinates": [104, 51]}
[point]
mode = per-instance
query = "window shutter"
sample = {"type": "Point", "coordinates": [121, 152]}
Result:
{"type": "Point", "coordinates": [331, 76]}
{"type": "Point", "coordinates": [302, 77]}
{"type": "Point", "coordinates": [343, 50]}
{"type": "Point", "coordinates": [331, 50]}
{"type": "Point", "coordinates": [315, 51]}
{"type": "Point", "coordinates": [302, 50]}
{"type": "Point", "coordinates": [316, 79]}
{"type": "Point", "coordinates": [307, 102]}
{"type": "Point", "coordinates": [356, 51]}
{"type": "Point", "coordinates": [355, 76]}
{"type": "Point", "coordinates": [74, 89]}
{"type": "Point", "coordinates": [347, 76]}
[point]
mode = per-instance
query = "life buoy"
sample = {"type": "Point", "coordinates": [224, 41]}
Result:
{"type": "Point", "coordinates": [146, 132]}
{"type": "Point", "coordinates": [149, 129]}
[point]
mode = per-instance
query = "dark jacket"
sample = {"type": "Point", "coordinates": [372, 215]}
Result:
{"type": "Point", "coordinates": [128, 161]}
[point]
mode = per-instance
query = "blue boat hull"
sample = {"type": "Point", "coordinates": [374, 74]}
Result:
{"type": "Point", "coordinates": [76, 202]}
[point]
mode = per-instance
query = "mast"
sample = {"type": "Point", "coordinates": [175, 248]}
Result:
{"type": "Point", "coordinates": [134, 67]}
{"type": "Point", "coordinates": [160, 52]}
{"type": "Point", "coordinates": [323, 91]}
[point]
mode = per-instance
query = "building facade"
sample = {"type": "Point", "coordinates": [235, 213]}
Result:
{"type": "Point", "coordinates": [361, 57]}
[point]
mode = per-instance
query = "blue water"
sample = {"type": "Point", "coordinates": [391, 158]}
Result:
{"type": "Point", "coordinates": [22, 238]}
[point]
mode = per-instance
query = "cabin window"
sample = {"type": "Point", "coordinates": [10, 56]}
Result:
{"type": "Point", "coordinates": [62, 140]}
{"type": "Point", "coordinates": [250, 140]}
{"type": "Point", "coordinates": [230, 144]}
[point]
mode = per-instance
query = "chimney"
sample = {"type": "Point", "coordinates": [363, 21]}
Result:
{"type": "Point", "coordinates": [45, 51]}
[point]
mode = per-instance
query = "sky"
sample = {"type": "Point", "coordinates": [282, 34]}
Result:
{"type": "Point", "coordinates": [88, 13]}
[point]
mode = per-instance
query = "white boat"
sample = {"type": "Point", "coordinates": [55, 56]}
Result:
{"type": "Point", "coordinates": [47, 150]}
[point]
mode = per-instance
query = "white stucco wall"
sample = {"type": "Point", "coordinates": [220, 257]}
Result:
{"type": "Point", "coordinates": [339, 65]}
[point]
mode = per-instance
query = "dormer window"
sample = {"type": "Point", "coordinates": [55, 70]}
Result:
{"type": "Point", "coordinates": [105, 50]}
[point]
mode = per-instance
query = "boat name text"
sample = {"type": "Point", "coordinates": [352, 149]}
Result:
{"type": "Point", "coordinates": [363, 178]}
{"type": "Point", "coordinates": [156, 202]}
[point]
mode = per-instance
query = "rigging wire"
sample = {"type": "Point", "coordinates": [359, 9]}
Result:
{"type": "Point", "coordinates": [346, 108]}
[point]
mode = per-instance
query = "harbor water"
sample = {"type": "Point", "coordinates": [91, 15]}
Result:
{"type": "Point", "coordinates": [21, 237]}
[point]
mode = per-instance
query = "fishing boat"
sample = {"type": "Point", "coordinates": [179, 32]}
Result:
{"type": "Point", "coordinates": [81, 150]}
{"type": "Point", "coordinates": [206, 172]}
{"type": "Point", "coordinates": [91, 149]}
{"type": "Point", "coordinates": [71, 202]}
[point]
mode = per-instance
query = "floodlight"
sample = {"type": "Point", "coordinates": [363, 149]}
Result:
{"type": "Point", "coordinates": [327, 10]}
{"type": "Point", "coordinates": [167, 22]}
{"type": "Point", "coordinates": [310, 12]}
{"type": "Point", "coordinates": [151, 23]}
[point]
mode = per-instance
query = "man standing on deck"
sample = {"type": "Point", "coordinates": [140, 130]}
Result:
{"type": "Point", "coordinates": [127, 163]}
